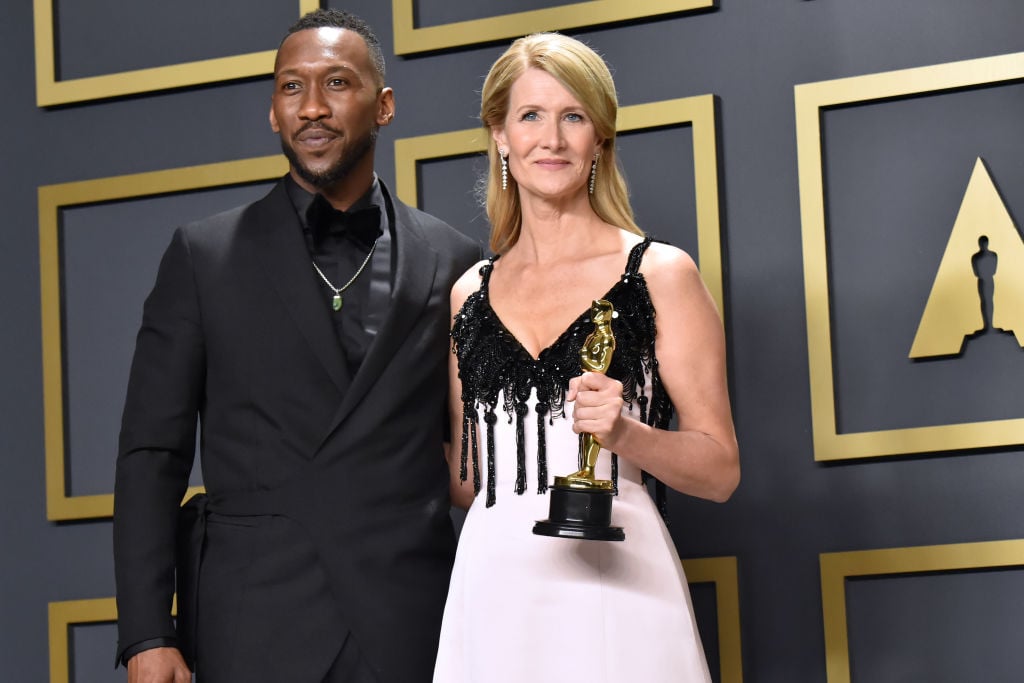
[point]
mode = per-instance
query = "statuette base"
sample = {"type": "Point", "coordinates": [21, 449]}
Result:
{"type": "Point", "coordinates": [580, 513]}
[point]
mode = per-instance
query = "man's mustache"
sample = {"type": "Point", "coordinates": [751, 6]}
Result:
{"type": "Point", "coordinates": [317, 125]}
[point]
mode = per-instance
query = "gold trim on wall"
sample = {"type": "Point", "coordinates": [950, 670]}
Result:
{"type": "Point", "coordinates": [54, 198]}
{"type": "Point", "coordinates": [697, 111]}
{"type": "Point", "coordinates": [837, 567]}
{"type": "Point", "coordinates": [811, 99]}
{"type": "Point", "coordinates": [409, 39]}
{"type": "Point", "coordinates": [50, 91]}
{"type": "Point", "coordinates": [722, 571]}
{"type": "Point", "coordinates": [65, 614]}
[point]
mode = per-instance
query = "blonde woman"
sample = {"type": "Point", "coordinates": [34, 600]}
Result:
{"type": "Point", "coordinates": [523, 607]}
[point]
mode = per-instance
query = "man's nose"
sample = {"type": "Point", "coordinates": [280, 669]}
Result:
{"type": "Point", "coordinates": [314, 105]}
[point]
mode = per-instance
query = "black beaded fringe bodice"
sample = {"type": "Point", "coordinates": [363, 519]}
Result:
{"type": "Point", "coordinates": [493, 366]}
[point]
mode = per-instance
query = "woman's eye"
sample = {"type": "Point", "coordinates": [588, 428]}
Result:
{"type": "Point", "coordinates": [529, 116]}
{"type": "Point", "coordinates": [574, 117]}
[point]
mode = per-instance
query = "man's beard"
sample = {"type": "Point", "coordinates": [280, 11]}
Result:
{"type": "Point", "coordinates": [341, 168]}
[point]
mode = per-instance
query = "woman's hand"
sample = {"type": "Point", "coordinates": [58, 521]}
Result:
{"type": "Point", "coordinates": [598, 408]}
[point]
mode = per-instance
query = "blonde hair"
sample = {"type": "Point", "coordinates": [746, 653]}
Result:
{"type": "Point", "coordinates": [586, 76]}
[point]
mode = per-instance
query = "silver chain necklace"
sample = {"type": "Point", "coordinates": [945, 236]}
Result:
{"type": "Point", "coordinates": [336, 300]}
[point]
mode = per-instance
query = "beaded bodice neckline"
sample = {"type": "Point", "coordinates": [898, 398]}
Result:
{"type": "Point", "coordinates": [495, 366]}
{"type": "Point", "coordinates": [550, 349]}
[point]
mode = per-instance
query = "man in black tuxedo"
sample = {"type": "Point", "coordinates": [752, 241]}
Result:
{"type": "Point", "coordinates": [308, 332]}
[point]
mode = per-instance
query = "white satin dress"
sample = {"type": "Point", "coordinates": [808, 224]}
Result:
{"type": "Point", "coordinates": [524, 608]}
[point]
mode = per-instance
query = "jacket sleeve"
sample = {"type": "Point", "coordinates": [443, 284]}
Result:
{"type": "Point", "coordinates": [157, 447]}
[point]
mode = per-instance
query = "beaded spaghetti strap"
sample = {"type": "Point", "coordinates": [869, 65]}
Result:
{"type": "Point", "coordinates": [485, 272]}
{"type": "Point", "coordinates": [663, 408]}
{"type": "Point", "coordinates": [636, 255]}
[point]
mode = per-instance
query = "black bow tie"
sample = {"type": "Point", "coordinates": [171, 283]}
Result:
{"type": "Point", "coordinates": [362, 225]}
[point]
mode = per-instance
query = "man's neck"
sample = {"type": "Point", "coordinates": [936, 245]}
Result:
{"type": "Point", "coordinates": [343, 193]}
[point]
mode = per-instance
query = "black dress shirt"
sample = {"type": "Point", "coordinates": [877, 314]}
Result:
{"type": "Point", "coordinates": [339, 249]}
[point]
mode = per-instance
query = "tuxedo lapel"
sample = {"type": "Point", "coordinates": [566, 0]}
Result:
{"type": "Point", "coordinates": [416, 267]}
{"type": "Point", "coordinates": [281, 248]}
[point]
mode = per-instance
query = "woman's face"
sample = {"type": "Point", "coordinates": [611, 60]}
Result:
{"type": "Point", "coordinates": [549, 138]}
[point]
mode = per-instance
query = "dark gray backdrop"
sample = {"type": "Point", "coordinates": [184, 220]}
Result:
{"type": "Point", "coordinates": [750, 54]}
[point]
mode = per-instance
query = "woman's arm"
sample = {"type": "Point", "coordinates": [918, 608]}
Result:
{"type": "Point", "coordinates": [701, 458]}
{"type": "Point", "coordinates": [461, 491]}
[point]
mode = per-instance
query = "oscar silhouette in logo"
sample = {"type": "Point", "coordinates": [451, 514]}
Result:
{"type": "Point", "coordinates": [984, 264]}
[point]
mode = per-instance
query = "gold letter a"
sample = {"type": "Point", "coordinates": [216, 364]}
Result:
{"type": "Point", "coordinates": [954, 309]}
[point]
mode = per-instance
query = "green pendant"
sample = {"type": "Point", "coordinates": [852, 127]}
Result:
{"type": "Point", "coordinates": [336, 302]}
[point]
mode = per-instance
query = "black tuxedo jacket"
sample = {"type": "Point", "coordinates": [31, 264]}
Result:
{"type": "Point", "coordinates": [328, 493]}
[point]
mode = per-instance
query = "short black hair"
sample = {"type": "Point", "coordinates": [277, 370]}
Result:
{"type": "Point", "coordinates": [336, 18]}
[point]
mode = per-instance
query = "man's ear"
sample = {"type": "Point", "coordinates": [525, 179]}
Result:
{"type": "Point", "coordinates": [385, 106]}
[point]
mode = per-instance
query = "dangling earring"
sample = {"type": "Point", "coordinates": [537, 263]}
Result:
{"type": "Point", "coordinates": [504, 168]}
{"type": "Point", "coordinates": [593, 172]}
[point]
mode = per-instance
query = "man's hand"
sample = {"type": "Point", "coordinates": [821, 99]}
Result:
{"type": "Point", "coordinates": [158, 665]}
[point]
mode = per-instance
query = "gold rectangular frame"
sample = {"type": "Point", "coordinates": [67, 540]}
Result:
{"type": "Point", "coordinates": [64, 614]}
{"type": "Point", "coordinates": [810, 100]}
{"type": "Point", "coordinates": [722, 571]}
{"type": "Point", "coordinates": [53, 198]}
{"type": "Point", "coordinates": [837, 567]}
{"type": "Point", "coordinates": [410, 40]}
{"type": "Point", "coordinates": [697, 111]}
{"type": "Point", "coordinates": [50, 91]}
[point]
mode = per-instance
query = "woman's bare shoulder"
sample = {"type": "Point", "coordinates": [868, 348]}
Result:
{"type": "Point", "coordinates": [667, 264]}
{"type": "Point", "coordinates": [467, 283]}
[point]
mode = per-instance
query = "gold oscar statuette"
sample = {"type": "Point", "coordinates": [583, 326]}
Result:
{"type": "Point", "coordinates": [581, 504]}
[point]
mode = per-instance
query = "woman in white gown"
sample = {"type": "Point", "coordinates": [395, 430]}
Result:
{"type": "Point", "coordinates": [523, 607]}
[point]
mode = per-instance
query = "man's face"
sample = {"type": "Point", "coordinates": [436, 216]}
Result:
{"type": "Point", "coordinates": [327, 105]}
